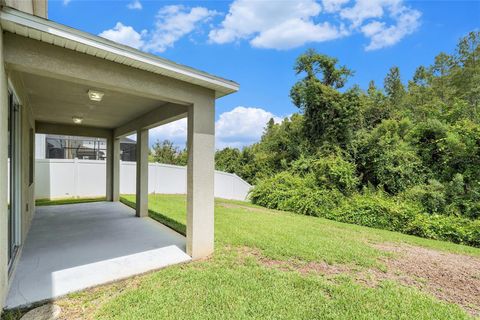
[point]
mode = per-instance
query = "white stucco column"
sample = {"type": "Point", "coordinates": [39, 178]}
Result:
{"type": "Point", "coordinates": [116, 170]}
{"type": "Point", "coordinates": [109, 169]}
{"type": "Point", "coordinates": [200, 178]}
{"type": "Point", "coordinates": [3, 176]}
{"type": "Point", "coordinates": [142, 173]}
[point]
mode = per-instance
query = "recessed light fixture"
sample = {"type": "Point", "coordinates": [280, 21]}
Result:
{"type": "Point", "coordinates": [77, 120]}
{"type": "Point", "coordinates": [95, 95]}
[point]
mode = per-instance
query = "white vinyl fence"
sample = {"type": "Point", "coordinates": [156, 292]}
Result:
{"type": "Point", "coordinates": [64, 178]}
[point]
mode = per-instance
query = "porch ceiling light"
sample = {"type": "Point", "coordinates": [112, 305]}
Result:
{"type": "Point", "coordinates": [95, 95]}
{"type": "Point", "coordinates": [77, 120]}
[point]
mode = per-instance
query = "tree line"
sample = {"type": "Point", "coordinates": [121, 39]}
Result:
{"type": "Point", "coordinates": [411, 146]}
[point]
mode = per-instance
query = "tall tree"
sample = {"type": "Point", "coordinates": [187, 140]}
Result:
{"type": "Point", "coordinates": [467, 76]}
{"type": "Point", "coordinates": [320, 67]}
{"type": "Point", "coordinates": [393, 86]}
{"type": "Point", "coordinates": [329, 114]}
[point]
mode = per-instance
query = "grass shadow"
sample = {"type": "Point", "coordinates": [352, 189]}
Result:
{"type": "Point", "coordinates": [49, 202]}
{"type": "Point", "coordinates": [163, 219]}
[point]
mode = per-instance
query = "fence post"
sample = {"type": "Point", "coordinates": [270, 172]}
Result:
{"type": "Point", "coordinates": [75, 177]}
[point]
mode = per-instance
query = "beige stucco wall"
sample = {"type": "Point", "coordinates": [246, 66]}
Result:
{"type": "Point", "coordinates": [27, 203]}
{"type": "Point", "coordinates": [27, 123]}
{"type": "Point", "coordinates": [3, 177]}
{"type": "Point", "coordinates": [36, 7]}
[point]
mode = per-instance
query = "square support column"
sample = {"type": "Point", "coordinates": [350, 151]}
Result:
{"type": "Point", "coordinates": [142, 173]}
{"type": "Point", "coordinates": [113, 169]}
{"type": "Point", "coordinates": [109, 169]}
{"type": "Point", "coordinates": [116, 170]}
{"type": "Point", "coordinates": [200, 178]}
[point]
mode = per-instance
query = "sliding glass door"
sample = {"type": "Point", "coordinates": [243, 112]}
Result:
{"type": "Point", "coordinates": [14, 187]}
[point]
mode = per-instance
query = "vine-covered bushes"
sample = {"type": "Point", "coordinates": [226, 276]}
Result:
{"type": "Point", "coordinates": [448, 228]}
{"type": "Point", "coordinates": [289, 192]}
{"type": "Point", "coordinates": [376, 209]}
{"type": "Point", "coordinates": [403, 158]}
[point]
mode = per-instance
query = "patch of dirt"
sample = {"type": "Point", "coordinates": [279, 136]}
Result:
{"type": "Point", "coordinates": [295, 264]}
{"type": "Point", "coordinates": [450, 277]}
{"type": "Point", "coordinates": [453, 278]}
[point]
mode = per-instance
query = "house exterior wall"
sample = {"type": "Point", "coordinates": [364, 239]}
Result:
{"type": "Point", "coordinates": [28, 183]}
{"type": "Point", "coordinates": [27, 133]}
{"type": "Point", "coordinates": [3, 177]}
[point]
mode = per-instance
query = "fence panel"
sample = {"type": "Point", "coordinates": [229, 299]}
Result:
{"type": "Point", "coordinates": [61, 178]}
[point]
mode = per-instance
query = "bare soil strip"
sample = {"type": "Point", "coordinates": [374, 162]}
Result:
{"type": "Point", "coordinates": [449, 277]}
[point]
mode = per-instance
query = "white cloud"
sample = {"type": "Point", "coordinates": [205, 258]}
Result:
{"type": "Point", "coordinates": [290, 24]}
{"type": "Point", "coordinates": [269, 24]}
{"type": "Point", "coordinates": [135, 5]}
{"type": "Point", "coordinates": [373, 28]}
{"type": "Point", "coordinates": [66, 2]}
{"type": "Point", "coordinates": [173, 22]}
{"type": "Point", "coordinates": [404, 21]}
{"type": "Point", "coordinates": [276, 25]}
{"type": "Point", "coordinates": [236, 128]}
{"type": "Point", "coordinates": [294, 33]}
{"type": "Point", "coordinates": [125, 35]}
{"type": "Point", "coordinates": [241, 126]}
{"type": "Point", "coordinates": [174, 131]}
{"type": "Point", "coordinates": [364, 9]}
{"type": "Point", "coordinates": [331, 6]}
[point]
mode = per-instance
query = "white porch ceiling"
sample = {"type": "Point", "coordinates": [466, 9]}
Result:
{"type": "Point", "coordinates": [57, 101]}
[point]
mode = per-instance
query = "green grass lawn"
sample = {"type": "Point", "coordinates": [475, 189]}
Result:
{"type": "Point", "coordinates": [239, 283]}
{"type": "Point", "coordinates": [48, 202]}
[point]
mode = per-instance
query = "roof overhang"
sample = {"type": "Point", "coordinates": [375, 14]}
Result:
{"type": "Point", "coordinates": [44, 30]}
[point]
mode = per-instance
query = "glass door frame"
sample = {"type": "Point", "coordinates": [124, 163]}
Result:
{"type": "Point", "coordinates": [15, 140]}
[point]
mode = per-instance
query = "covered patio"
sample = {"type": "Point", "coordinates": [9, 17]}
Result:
{"type": "Point", "coordinates": [77, 246]}
{"type": "Point", "coordinates": [67, 82]}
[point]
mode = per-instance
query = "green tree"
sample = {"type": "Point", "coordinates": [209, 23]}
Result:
{"type": "Point", "coordinates": [228, 160]}
{"type": "Point", "coordinates": [394, 87]}
{"type": "Point", "coordinates": [384, 159]}
{"type": "Point", "coordinates": [329, 114]}
{"type": "Point", "coordinates": [167, 153]}
{"type": "Point", "coordinates": [320, 67]}
{"type": "Point", "coordinates": [466, 76]}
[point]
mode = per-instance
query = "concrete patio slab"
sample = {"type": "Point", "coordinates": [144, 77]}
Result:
{"type": "Point", "coordinates": [77, 246]}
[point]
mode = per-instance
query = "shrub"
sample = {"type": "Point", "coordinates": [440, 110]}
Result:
{"type": "Point", "coordinates": [377, 210]}
{"type": "Point", "coordinates": [385, 159]}
{"type": "Point", "coordinates": [430, 196]}
{"type": "Point", "coordinates": [473, 233]}
{"type": "Point", "coordinates": [448, 228]}
{"type": "Point", "coordinates": [294, 193]}
{"type": "Point", "coordinates": [333, 172]}
{"type": "Point", "coordinates": [464, 197]}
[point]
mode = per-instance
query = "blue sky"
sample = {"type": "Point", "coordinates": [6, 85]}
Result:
{"type": "Point", "coordinates": [256, 42]}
